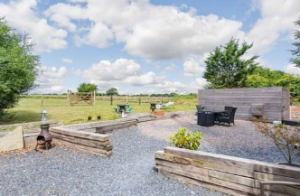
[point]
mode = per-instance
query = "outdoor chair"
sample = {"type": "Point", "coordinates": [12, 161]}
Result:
{"type": "Point", "coordinates": [223, 114]}
{"type": "Point", "coordinates": [227, 117]}
{"type": "Point", "coordinates": [199, 108]}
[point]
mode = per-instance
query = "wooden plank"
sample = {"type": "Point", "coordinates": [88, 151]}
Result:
{"type": "Point", "coordinates": [289, 190]}
{"type": "Point", "coordinates": [86, 149]}
{"type": "Point", "coordinates": [90, 143]}
{"type": "Point", "coordinates": [193, 172]}
{"type": "Point", "coordinates": [232, 178]}
{"type": "Point", "coordinates": [257, 166]}
{"type": "Point", "coordinates": [199, 183]}
{"type": "Point", "coordinates": [118, 125]}
{"type": "Point", "coordinates": [204, 164]}
{"type": "Point", "coordinates": [80, 134]}
{"type": "Point", "coordinates": [211, 180]}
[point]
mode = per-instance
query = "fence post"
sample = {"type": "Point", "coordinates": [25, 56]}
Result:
{"type": "Point", "coordinates": [111, 100]}
{"type": "Point", "coordinates": [94, 97]}
{"type": "Point", "coordinates": [42, 100]}
{"type": "Point", "coordinates": [139, 100]}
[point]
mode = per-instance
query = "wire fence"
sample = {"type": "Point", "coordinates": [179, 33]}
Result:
{"type": "Point", "coordinates": [125, 99]}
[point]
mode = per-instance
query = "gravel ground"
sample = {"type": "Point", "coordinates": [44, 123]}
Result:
{"type": "Point", "coordinates": [129, 170]}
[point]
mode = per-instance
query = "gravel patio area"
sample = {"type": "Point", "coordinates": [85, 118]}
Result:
{"type": "Point", "coordinates": [129, 170]}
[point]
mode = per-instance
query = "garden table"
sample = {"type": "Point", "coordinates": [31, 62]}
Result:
{"type": "Point", "coordinates": [123, 107]}
{"type": "Point", "coordinates": [207, 117]}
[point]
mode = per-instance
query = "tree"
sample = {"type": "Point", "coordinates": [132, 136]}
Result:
{"type": "Point", "coordinates": [18, 66]}
{"type": "Point", "coordinates": [264, 77]}
{"type": "Point", "coordinates": [226, 67]}
{"type": "Point", "coordinates": [296, 52]}
{"type": "Point", "coordinates": [112, 91]}
{"type": "Point", "coordinates": [87, 87]}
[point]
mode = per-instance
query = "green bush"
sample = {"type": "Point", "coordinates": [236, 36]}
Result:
{"type": "Point", "coordinates": [187, 140]}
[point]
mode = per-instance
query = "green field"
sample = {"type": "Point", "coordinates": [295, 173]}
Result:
{"type": "Point", "coordinates": [28, 110]}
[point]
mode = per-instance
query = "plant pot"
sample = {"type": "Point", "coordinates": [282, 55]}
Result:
{"type": "Point", "coordinates": [98, 117]}
{"type": "Point", "coordinates": [159, 112]}
{"type": "Point", "coordinates": [89, 118]}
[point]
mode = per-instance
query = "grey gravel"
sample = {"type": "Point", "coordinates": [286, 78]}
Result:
{"type": "Point", "coordinates": [129, 170]}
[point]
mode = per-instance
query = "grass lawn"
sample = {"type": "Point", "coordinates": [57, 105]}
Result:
{"type": "Point", "coordinates": [28, 110]}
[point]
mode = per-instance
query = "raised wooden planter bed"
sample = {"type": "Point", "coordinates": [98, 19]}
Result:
{"type": "Point", "coordinates": [232, 175]}
{"type": "Point", "coordinates": [94, 137]}
{"type": "Point", "coordinates": [99, 144]}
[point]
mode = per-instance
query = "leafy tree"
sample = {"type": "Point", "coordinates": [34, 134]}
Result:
{"type": "Point", "coordinates": [17, 66]}
{"type": "Point", "coordinates": [87, 87]}
{"type": "Point", "coordinates": [296, 52]}
{"type": "Point", "coordinates": [112, 91]}
{"type": "Point", "coordinates": [226, 67]}
{"type": "Point", "coordinates": [264, 77]}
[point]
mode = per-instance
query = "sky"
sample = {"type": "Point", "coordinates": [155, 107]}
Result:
{"type": "Point", "coordinates": [147, 46]}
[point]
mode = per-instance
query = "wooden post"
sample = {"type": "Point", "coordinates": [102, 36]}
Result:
{"type": "Point", "coordinates": [94, 97]}
{"type": "Point", "coordinates": [42, 100]}
{"type": "Point", "coordinates": [68, 98]}
{"type": "Point", "coordinates": [139, 100]}
{"type": "Point", "coordinates": [111, 100]}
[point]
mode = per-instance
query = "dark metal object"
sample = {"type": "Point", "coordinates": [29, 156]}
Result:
{"type": "Point", "coordinates": [291, 122]}
{"type": "Point", "coordinates": [152, 106]}
{"type": "Point", "coordinates": [263, 183]}
{"type": "Point", "coordinates": [44, 138]}
{"type": "Point", "coordinates": [206, 119]}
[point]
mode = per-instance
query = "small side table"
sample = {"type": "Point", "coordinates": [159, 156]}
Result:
{"type": "Point", "coordinates": [206, 119]}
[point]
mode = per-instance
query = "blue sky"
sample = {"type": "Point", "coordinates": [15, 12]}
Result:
{"type": "Point", "coordinates": [142, 46]}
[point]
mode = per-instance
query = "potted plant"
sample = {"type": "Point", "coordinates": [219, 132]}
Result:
{"type": "Point", "coordinates": [286, 138]}
{"type": "Point", "coordinates": [185, 139]}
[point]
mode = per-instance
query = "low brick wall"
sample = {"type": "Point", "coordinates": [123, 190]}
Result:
{"type": "Point", "coordinates": [232, 175]}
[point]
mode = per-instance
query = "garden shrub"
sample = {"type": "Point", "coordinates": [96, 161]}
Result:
{"type": "Point", "coordinates": [286, 138]}
{"type": "Point", "coordinates": [187, 140]}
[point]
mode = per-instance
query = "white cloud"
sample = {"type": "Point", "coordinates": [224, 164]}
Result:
{"type": "Point", "coordinates": [292, 69]}
{"type": "Point", "coordinates": [106, 74]}
{"type": "Point", "coordinates": [68, 61]}
{"type": "Point", "coordinates": [50, 80]}
{"type": "Point", "coordinates": [171, 87]}
{"type": "Point", "coordinates": [98, 35]}
{"type": "Point", "coordinates": [170, 68]}
{"type": "Point", "coordinates": [277, 18]}
{"type": "Point", "coordinates": [191, 67]}
{"type": "Point", "coordinates": [63, 20]}
{"type": "Point", "coordinates": [22, 16]}
{"type": "Point", "coordinates": [112, 71]}
{"type": "Point", "coordinates": [151, 31]}
{"type": "Point", "coordinates": [144, 79]}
